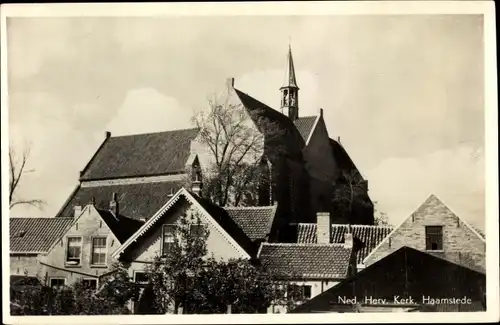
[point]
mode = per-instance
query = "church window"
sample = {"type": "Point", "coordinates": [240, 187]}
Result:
{"type": "Point", "coordinates": [434, 238]}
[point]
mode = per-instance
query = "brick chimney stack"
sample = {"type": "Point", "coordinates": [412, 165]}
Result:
{"type": "Point", "coordinates": [77, 211]}
{"type": "Point", "coordinates": [113, 205]}
{"type": "Point", "coordinates": [323, 227]}
{"type": "Point", "coordinates": [348, 238]}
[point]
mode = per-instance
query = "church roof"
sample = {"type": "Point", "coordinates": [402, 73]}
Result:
{"type": "Point", "coordinates": [370, 236]}
{"type": "Point", "coordinates": [256, 222]}
{"type": "Point", "coordinates": [141, 155]}
{"type": "Point", "coordinates": [135, 201]}
{"type": "Point", "coordinates": [36, 235]}
{"type": "Point", "coordinates": [281, 135]}
{"type": "Point", "coordinates": [341, 156]}
{"type": "Point", "coordinates": [305, 126]}
{"type": "Point", "coordinates": [306, 260]}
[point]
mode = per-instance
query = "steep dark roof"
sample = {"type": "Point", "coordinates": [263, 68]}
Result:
{"type": "Point", "coordinates": [370, 236]}
{"type": "Point", "coordinates": [228, 224]}
{"type": "Point", "coordinates": [281, 136]}
{"type": "Point", "coordinates": [256, 222]}
{"type": "Point", "coordinates": [305, 125]}
{"type": "Point", "coordinates": [122, 227]}
{"type": "Point", "coordinates": [341, 156]}
{"type": "Point", "coordinates": [141, 155]}
{"type": "Point", "coordinates": [36, 234]}
{"type": "Point", "coordinates": [404, 273]}
{"type": "Point", "coordinates": [306, 260]}
{"type": "Point", "coordinates": [135, 200]}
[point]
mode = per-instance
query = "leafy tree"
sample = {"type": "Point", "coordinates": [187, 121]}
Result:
{"type": "Point", "coordinates": [111, 298]}
{"type": "Point", "coordinates": [187, 277]}
{"type": "Point", "coordinates": [350, 197]}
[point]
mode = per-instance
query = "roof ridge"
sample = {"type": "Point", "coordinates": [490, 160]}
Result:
{"type": "Point", "coordinates": [159, 132]}
{"type": "Point", "coordinates": [41, 218]}
{"type": "Point", "coordinates": [250, 207]}
{"type": "Point", "coordinates": [304, 244]}
{"type": "Point", "coordinates": [308, 116]}
{"type": "Point", "coordinates": [345, 225]}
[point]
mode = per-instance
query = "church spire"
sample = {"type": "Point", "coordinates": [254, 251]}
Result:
{"type": "Point", "coordinates": [290, 90]}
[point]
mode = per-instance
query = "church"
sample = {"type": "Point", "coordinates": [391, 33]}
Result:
{"type": "Point", "coordinates": [307, 168]}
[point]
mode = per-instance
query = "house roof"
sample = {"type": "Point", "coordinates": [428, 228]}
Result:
{"type": "Point", "coordinates": [135, 201]}
{"type": "Point", "coordinates": [305, 125]}
{"type": "Point", "coordinates": [256, 222]}
{"type": "Point", "coordinates": [30, 235]}
{"type": "Point", "coordinates": [222, 221]}
{"type": "Point", "coordinates": [141, 155]}
{"type": "Point", "coordinates": [122, 227]}
{"type": "Point", "coordinates": [306, 260]}
{"type": "Point", "coordinates": [403, 273]}
{"type": "Point", "coordinates": [370, 236]}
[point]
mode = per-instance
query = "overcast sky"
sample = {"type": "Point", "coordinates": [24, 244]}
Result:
{"type": "Point", "coordinates": [404, 93]}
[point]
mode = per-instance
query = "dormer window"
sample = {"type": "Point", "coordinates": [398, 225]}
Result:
{"type": "Point", "coordinates": [434, 238]}
{"type": "Point", "coordinates": [74, 251]}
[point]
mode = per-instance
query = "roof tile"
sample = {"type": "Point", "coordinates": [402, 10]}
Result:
{"type": "Point", "coordinates": [371, 236]}
{"type": "Point", "coordinates": [306, 260]}
{"type": "Point", "coordinates": [256, 222]}
{"type": "Point", "coordinates": [135, 201]}
{"type": "Point", "coordinates": [141, 155]}
{"type": "Point", "coordinates": [36, 234]}
{"type": "Point", "coordinates": [305, 125]}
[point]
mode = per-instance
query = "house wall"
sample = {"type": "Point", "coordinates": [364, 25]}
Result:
{"type": "Point", "coordinates": [88, 225]}
{"type": "Point", "coordinates": [21, 264]}
{"type": "Point", "coordinates": [460, 244]}
{"type": "Point", "coordinates": [150, 245]}
{"type": "Point", "coordinates": [317, 287]}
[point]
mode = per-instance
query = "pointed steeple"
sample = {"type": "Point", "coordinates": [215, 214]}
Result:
{"type": "Point", "coordinates": [290, 80]}
{"type": "Point", "coordinates": [290, 90]}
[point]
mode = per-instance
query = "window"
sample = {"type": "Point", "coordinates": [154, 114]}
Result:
{"type": "Point", "coordinates": [98, 251]}
{"type": "Point", "coordinates": [196, 229]}
{"type": "Point", "coordinates": [434, 238]}
{"type": "Point", "coordinates": [57, 283]}
{"type": "Point", "coordinates": [299, 292]}
{"type": "Point", "coordinates": [140, 278]}
{"type": "Point", "coordinates": [74, 251]}
{"type": "Point", "coordinates": [168, 238]}
{"type": "Point", "coordinates": [90, 284]}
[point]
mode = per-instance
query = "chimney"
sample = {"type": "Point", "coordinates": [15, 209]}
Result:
{"type": "Point", "coordinates": [323, 227]}
{"type": "Point", "coordinates": [77, 211]}
{"type": "Point", "coordinates": [348, 238]}
{"type": "Point", "coordinates": [113, 205]}
{"type": "Point", "coordinates": [230, 83]}
{"type": "Point", "coordinates": [108, 134]}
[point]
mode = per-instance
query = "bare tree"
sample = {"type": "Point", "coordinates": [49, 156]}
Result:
{"type": "Point", "coordinates": [236, 148]}
{"type": "Point", "coordinates": [18, 170]}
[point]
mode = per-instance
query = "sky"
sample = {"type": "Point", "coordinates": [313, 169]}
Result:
{"type": "Point", "coordinates": [405, 94]}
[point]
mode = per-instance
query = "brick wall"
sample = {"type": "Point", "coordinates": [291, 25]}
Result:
{"type": "Point", "coordinates": [21, 263]}
{"type": "Point", "coordinates": [460, 244]}
{"type": "Point", "coordinates": [88, 225]}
